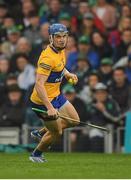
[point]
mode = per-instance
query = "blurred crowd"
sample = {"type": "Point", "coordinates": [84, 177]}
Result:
{"type": "Point", "coordinates": [98, 51]}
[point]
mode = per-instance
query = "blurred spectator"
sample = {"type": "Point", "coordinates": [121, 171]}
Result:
{"type": "Point", "coordinates": [114, 39]}
{"type": "Point", "coordinates": [124, 23]}
{"type": "Point", "coordinates": [100, 45]}
{"type": "Point", "coordinates": [91, 23]}
{"type": "Point", "coordinates": [105, 71]}
{"type": "Point", "coordinates": [121, 2]}
{"type": "Point", "coordinates": [126, 11]}
{"type": "Point", "coordinates": [9, 22]}
{"type": "Point", "coordinates": [26, 76]}
{"type": "Point", "coordinates": [103, 108]}
{"type": "Point", "coordinates": [52, 15]}
{"type": "Point", "coordinates": [84, 47]}
{"type": "Point", "coordinates": [102, 111]}
{"type": "Point", "coordinates": [72, 7]}
{"type": "Point", "coordinates": [121, 50]}
{"type": "Point", "coordinates": [9, 47]}
{"type": "Point", "coordinates": [44, 31]}
{"type": "Point", "coordinates": [69, 21]}
{"type": "Point", "coordinates": [44, 7]}
{"type": "Point", "coordinates": [32, 32]}
{"type": "Point", "coordinates": [4, 68]}
{"type": "Point", "coordinates": [11, 79]}
{"type": "Point", "coordinates": [88, 25]}
{"type": "Point", "coordinates": [43, 41]}
{"type": "Point", "coordinates": [24, 46]}
{"type": "Point", "coordinates": [27, 7]}
{"type": "Point", "coordinates": [92, 2]}
{"type": "Point", "coordinates": [86, 94]}
{"type": "Point", "coordinates": [120, 89]}
{"type": "Point", "coordinates": [126, 62]}
{"type": "Point", "coordinates": [3, 11]}
{"type": "Point", "coordinates": [83, 8]}
{"type": "Point", "coordinates": [106, 12]}
{"type": "Point", "coordinates": [82, 71]}
{"type": "Point", "coordinates": [12, 112]}
{"type": "Point", "coordinates": [65, 19]}
{"type": "Point", "coordinates": [71, 47]}
{"type": "Point", "coordinates": [119, 6]}
{"type": "Point", "coordinates": [123, 62]}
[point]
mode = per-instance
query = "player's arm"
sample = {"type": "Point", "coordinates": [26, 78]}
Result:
{"type": "Point", "coordinates": [40, 81]}
{"type": "Point", "coordinates": [39, 86]}
{"type": "Point", "coordinates": [44, 67]}
{"type": "Point", "coordinates": [69, 76]}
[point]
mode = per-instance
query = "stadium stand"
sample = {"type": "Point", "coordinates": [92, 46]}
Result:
{"type": "Point", "coordinates": [98, 50]}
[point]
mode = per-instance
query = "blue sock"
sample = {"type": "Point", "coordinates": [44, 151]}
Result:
{"type": "Point", "coordinates": [37, 152]}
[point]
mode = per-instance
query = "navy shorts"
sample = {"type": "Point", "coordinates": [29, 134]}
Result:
{"type": "Point", "coordinates": [57, 103]}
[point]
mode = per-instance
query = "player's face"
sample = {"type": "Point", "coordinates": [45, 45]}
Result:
{"type": "Point", "coordinates": [60, 40]}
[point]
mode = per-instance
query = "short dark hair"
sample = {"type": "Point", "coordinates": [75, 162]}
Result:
{"type": "Point", "coordinates": [22, 55]}
{"type": "Point", "coordinates": [13, 88]}
{"type": "Point", "coordinates": [11, 76]}
{"type": "Point", "coordinates": [119, 69]}
{"type": "Point", "coordinates": [95, 73]}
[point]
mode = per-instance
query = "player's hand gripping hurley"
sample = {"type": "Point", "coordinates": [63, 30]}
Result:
{"type": "Point", "coordinates": [71, 119]}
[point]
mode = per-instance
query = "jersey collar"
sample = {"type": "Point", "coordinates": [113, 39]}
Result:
{"type": "Point", "coordinates": [54, 49]}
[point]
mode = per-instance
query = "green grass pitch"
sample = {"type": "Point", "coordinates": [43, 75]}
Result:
{"type": "Point", "coordinates": [66, 165]}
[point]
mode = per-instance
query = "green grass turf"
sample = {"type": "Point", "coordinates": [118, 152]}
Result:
{"type": "Point", "coordinates": [66, 165]}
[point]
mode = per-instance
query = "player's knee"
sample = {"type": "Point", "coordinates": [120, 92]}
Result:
{"type": "Point", "coordinates": [75, 123]}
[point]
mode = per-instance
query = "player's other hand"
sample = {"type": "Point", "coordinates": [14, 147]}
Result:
{"type": "Point", "coordinates": [73, 77]}
{"type": "Point", "coordinates": [53, 113]}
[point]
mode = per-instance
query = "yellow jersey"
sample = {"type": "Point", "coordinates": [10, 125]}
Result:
{"type": "Point", "coordinates": [51, 63]}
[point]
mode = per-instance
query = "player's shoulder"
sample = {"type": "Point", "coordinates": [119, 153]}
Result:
{"type": "Point", "coordinates": [46, 57]}
{"type": "Point", "coordinates": [46, 52]}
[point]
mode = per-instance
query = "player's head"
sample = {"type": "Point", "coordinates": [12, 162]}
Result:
{"type": "Point", "coordinates": [58, 36]}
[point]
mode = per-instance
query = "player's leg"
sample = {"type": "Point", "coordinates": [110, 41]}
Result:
{"type": "Point", "coordinates": [55, 129]}
{"type": "Point", "coordinates": [68, 110]}
{"type": "Point", "coordinates": [51, 136]}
